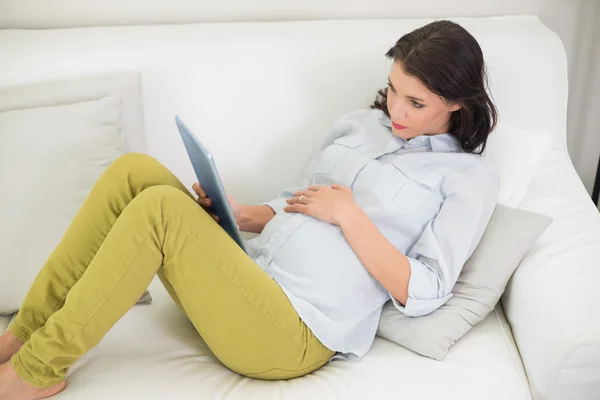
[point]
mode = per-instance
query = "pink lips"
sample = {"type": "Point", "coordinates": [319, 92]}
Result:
{"type": "Point", "coordinates": [395, 125]}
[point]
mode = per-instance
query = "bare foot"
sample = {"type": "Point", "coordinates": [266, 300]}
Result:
{"type": "Point", "coordinates": [9, 345]}
{"type": "Point", "coordinates": [12, 387]}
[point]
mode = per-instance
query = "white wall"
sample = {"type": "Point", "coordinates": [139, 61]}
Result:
{"type": "Point", "coordinates": [67, 13]}
{"type": "Point", "coordinates": [573, 20]}
{"type": "Point", "coordinates": [584, 90]}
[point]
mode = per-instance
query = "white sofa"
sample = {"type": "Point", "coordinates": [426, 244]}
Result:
{"type": "Point", "coordinates": [261, 95]}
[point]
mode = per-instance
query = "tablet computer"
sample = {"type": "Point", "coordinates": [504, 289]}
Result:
{"type": "Point", "coordinates": [208, 177]}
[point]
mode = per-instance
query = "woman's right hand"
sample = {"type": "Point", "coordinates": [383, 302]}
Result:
{"type": "Point", "coordinates": [206, 203]}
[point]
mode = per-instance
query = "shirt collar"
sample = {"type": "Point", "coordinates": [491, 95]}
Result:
{"type": "Point", "coordinates": [443, 142]}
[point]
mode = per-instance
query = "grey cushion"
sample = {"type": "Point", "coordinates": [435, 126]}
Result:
{"type": "Point", "coordinates": [146, 298]}
{"type": "Point", "coordinates": [510, 234]}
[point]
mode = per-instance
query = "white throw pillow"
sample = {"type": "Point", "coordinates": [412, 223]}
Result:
{"type": "Point", "coordinates": [52, 151]}
{"type": "Point", "coordinates": [516, 154]}
{"type": "Point", "coordinates": [125, 85]}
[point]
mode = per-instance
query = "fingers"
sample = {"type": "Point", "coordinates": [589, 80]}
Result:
{"type": "Point", "coordinates": [301, 208]}
{"type": "Point", "coordinates": [206, 202]}
{"type": "Point", "coordinates": [337, 186]}
{"type": "Point", "coordinates": [316, 188]}
{"type": "Point", "coordinates": [310, 191]}
{"type": "Point", "coordinates": [214, 216]}
{"type": "Point", "coordinates": [198, 189]}
{"type": "Point", "coordinates": [202, 199]}
{"type": "Point", "coordinates": [297, 200]}
{"type": "Point", "coordinates": [305, 193]}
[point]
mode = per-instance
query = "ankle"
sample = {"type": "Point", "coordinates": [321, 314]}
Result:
{"type": "Point", "coordinates": [12, 339]}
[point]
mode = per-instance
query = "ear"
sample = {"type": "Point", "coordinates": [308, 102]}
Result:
{"type": "Point", "coordinates": [454, 107]}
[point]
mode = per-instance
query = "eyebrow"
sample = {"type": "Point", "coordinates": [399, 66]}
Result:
{"type": "Point", "coordinates": [410, 97]}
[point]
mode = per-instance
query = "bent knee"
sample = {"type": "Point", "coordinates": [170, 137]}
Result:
{"type": "Point", "coordinates": [133, 158]}
{"type": "Point", "coordinates": [168, 199]}
{"type": "Point", "coordinates": [141, 169]}
{"type": "Point", "coordinates": [162, 191]}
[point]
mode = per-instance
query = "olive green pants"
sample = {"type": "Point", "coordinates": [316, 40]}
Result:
{"type": "Point", "coordinates": [139, 220]}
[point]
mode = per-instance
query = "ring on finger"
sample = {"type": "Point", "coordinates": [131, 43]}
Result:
{"type": "Point", "coordinates": [301, 197]}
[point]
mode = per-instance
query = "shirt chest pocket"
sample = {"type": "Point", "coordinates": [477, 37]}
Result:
{"type": "Point", "coordinates": [412, 188]}
{"type": "Point", "coordinates": [340, 156]}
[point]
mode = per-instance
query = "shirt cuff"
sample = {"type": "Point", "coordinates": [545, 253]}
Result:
{"type": "Point", "coordinates": [421, 293]}
{"type": "Point", "coordinates": [276, 204]}
{"type": "Point", "coordinates": [419, 308]}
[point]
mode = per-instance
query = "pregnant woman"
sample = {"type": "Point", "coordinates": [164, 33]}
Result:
{"type": "Point", "coordinates": [395, 201]}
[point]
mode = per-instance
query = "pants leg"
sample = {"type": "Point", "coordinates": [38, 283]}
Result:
{"type": "Point", "coordinates": [238, 309]}
{"type": "Point", "coordinates": [124, 179]}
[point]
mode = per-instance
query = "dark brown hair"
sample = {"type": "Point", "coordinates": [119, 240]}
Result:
{"type": "Point", "coordinates": [448, 61]}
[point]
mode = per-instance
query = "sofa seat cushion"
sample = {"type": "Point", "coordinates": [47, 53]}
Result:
{"type": "Point", "coordinates": [155, 352]}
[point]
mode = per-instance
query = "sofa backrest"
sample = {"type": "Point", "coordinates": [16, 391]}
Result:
{"type": "Point", "coordinates": [261, 95]}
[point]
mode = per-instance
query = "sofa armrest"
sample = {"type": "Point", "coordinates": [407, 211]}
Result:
{"type": "Point", "coordinates": [553, 300]}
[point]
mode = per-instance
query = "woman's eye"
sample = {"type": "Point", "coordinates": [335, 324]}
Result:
{"type": "Point", "coordinates": [417, 105]}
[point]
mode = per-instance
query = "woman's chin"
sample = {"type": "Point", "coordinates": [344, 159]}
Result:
{"type": "Point", "coordinates": [401, 133]}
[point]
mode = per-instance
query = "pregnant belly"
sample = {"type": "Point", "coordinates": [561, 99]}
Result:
{"type": "Point", "coordinates": [317, 264]}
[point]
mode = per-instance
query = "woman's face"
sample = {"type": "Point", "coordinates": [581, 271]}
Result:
{"type": "Point", "coordinates": [414, 109]}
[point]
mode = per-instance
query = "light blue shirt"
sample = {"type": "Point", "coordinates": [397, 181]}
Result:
{"type": "Point", "coordinates": [429, 198]}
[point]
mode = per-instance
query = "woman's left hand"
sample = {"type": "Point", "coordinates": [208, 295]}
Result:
{"type": "Point", "coordinates": [332, 204]}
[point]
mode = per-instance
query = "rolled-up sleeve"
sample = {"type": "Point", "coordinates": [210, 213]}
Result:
{"type": "Point", "coordinates": [280, 202]}
{"type": "Point", "coordinates": [448, 240]}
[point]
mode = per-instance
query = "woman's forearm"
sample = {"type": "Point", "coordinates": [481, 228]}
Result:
{"type": "Point", "coordinates": [254, 218]}
{"type": "Point", "coordinates": [379, 256]}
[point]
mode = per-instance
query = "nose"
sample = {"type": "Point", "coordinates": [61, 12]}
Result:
{"type": "Point", "coordinates": [398, 111]}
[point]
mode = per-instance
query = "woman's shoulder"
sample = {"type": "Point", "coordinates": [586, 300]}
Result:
{"type": "Point", "coordinates": [464, 171]}
{"type": "Point", "coordinates": [359, 125]}
{"type": "Point", "coordinates": [362, 116]}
